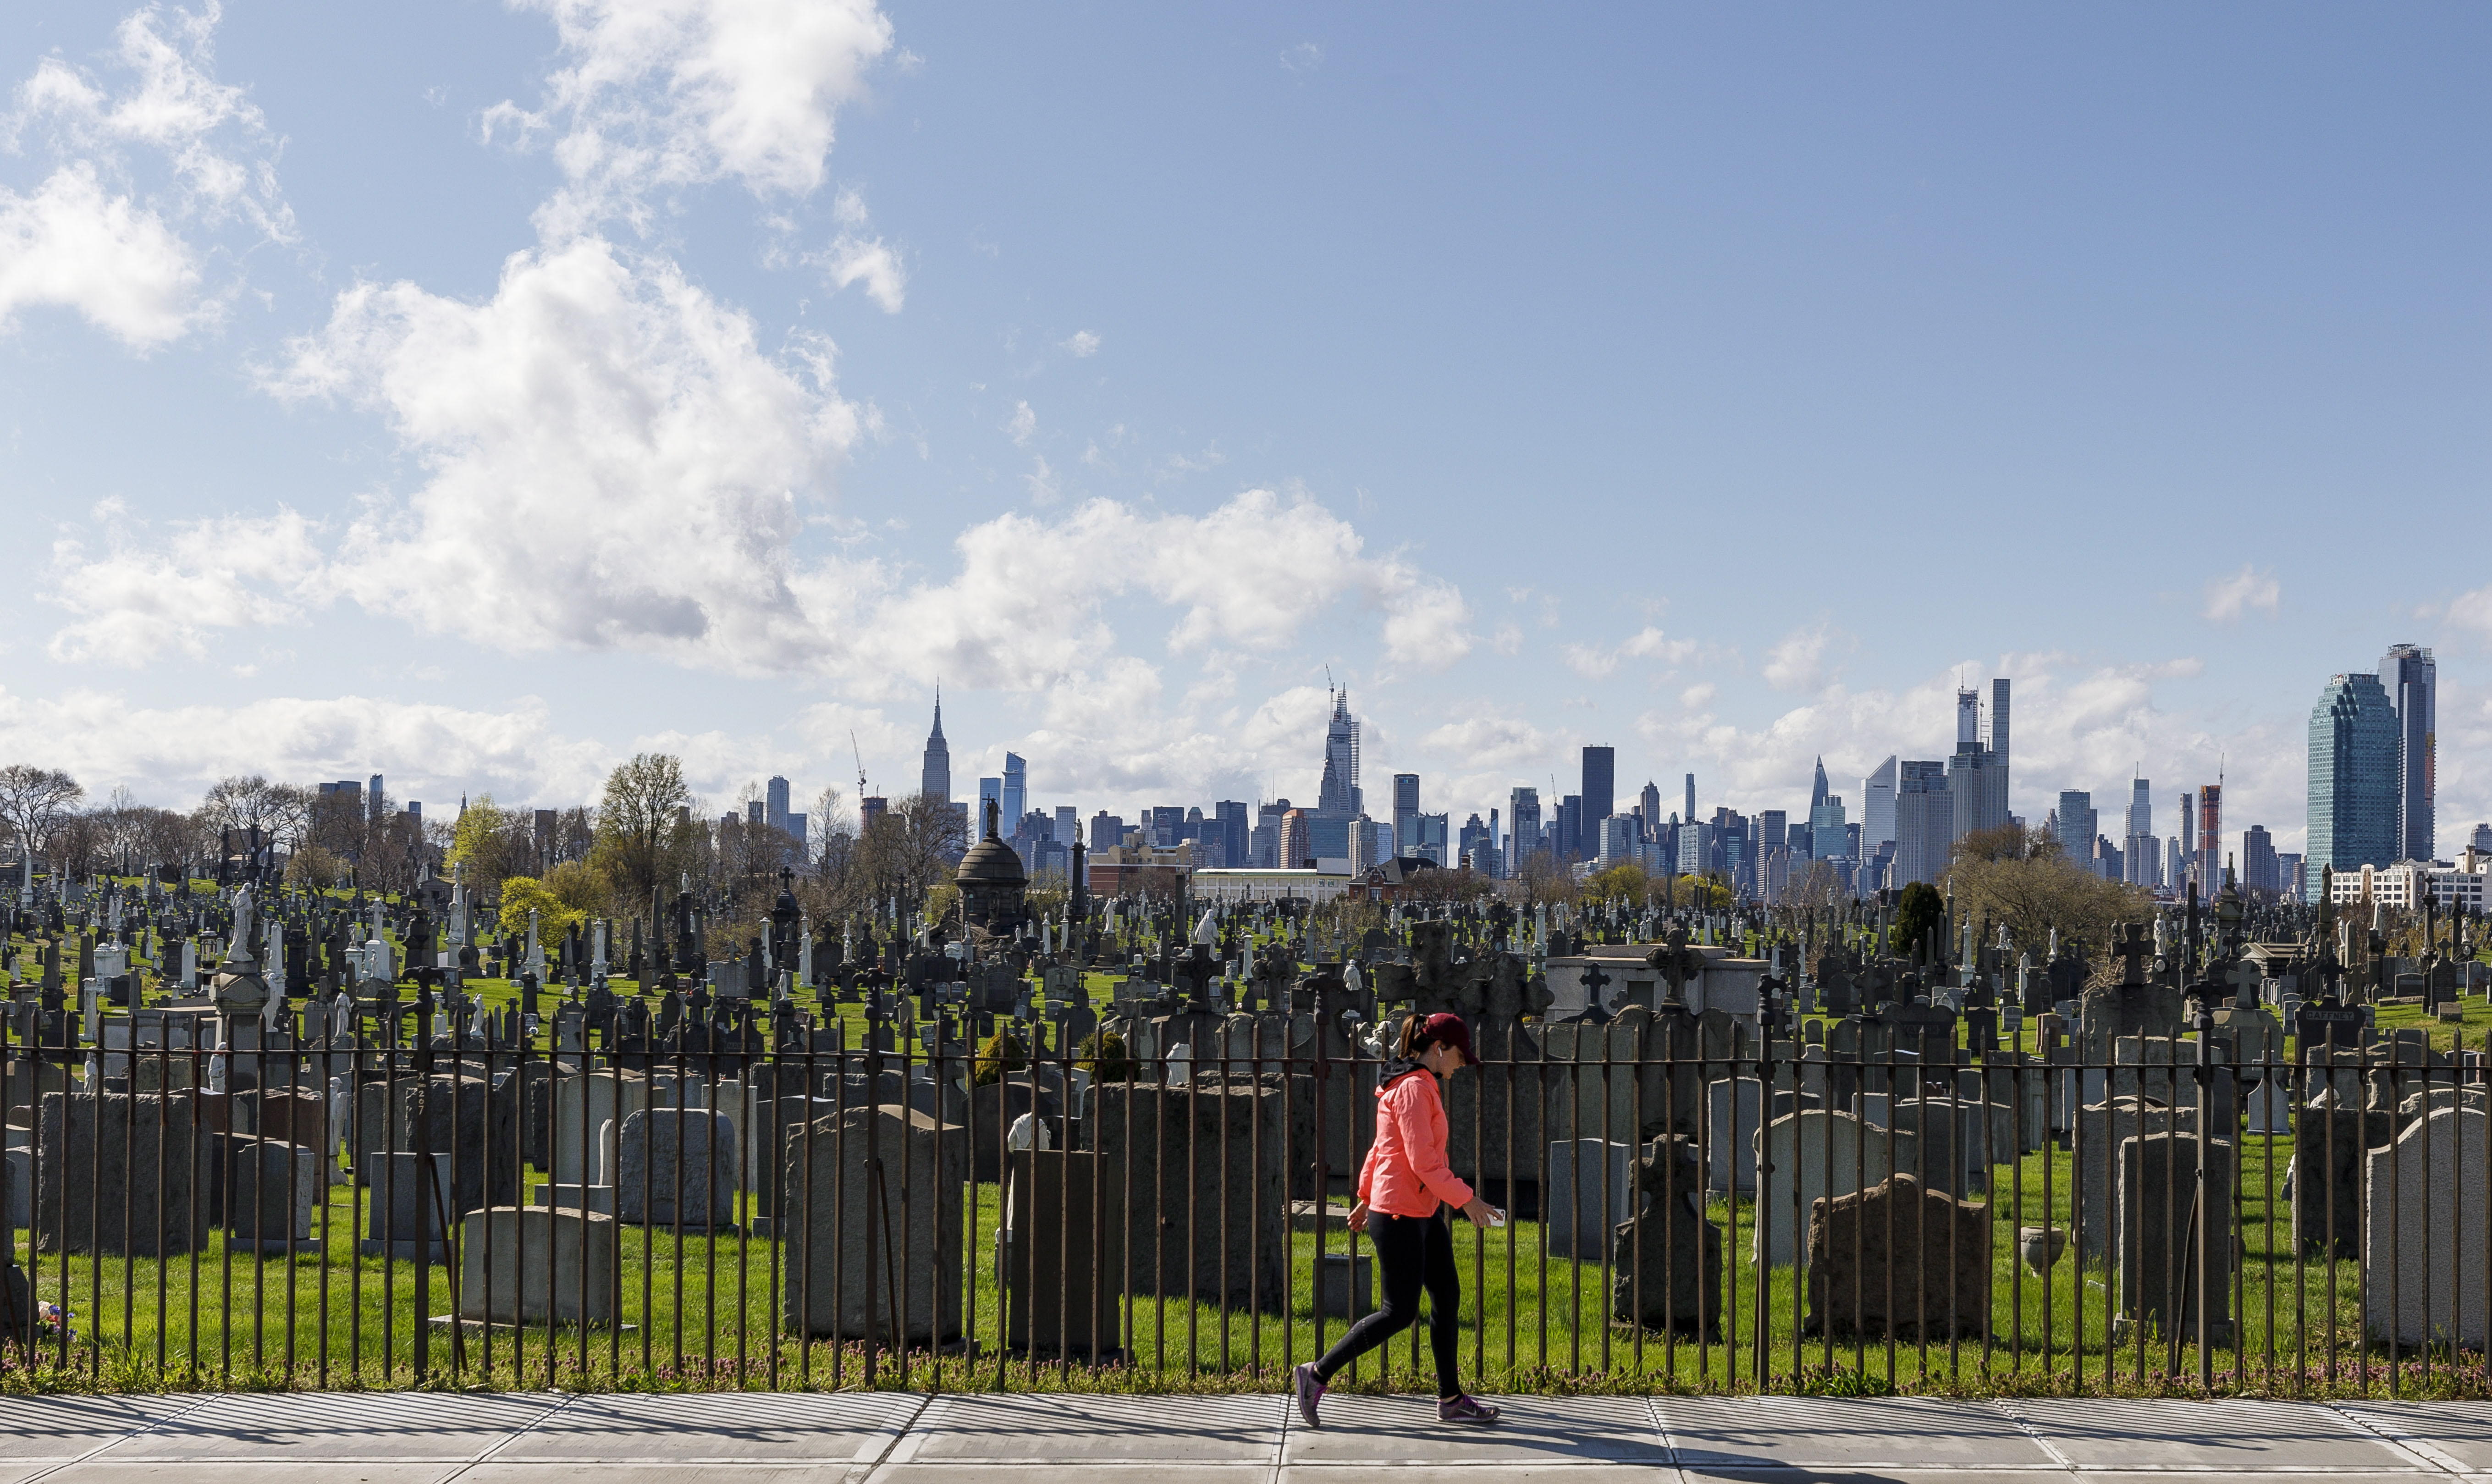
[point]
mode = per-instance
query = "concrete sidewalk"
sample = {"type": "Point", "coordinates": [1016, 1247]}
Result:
{"type": "Point", "coordinates": [753, 1438]}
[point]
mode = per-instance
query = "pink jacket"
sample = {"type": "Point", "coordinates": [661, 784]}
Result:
{"type": "Point", "coordinates": [1406, 1174]}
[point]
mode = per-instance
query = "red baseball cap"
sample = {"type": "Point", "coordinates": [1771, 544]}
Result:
{"type": "Point", "coordinates": [1449, 1031]}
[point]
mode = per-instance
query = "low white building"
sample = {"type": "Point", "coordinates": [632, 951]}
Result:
{"type": "Point", "coordinates": [2403, 884]}
{"type": "Point", "coordinates": [1273, 884]}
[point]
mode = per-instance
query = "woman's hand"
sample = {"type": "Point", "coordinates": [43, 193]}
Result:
{"type": "Point", "coordinates": [1480, 1212]}
{"type": "Point", "coordinates": [1357, 1220]}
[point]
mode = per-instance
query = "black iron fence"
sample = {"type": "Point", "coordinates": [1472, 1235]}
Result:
{"type": "Point", "coordinates": [361, 1214]}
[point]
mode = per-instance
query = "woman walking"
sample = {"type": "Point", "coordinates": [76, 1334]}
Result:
{"type": "Point", "coordinates": [1400, 1190]}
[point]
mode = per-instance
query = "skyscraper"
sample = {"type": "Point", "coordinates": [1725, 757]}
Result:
{"type": "Point", "coordinates": [1690, 815]}
{"type": "Point", "coordinates": [1522, 826]}
{"type": "Point", "coordinates": [1233, 830]}
{"type": "Point", "coordinates": [2352, 778]}
{"type": "Point", "coordinates": [1600, 792]}
{"type": "Point", "coordinates": [1817, 790]}
{"type": "Point", "coordinates": [2210, 838]}
{"type": "Point", "coordinates": [2412, 680]}
{"type": "Point", "coordinates": [1339, 793]}
{"type": "Point", "coordinates": [1339, 801]}
{"type": "Point", "coordinates": [1827, 837]}
{"type": "Point", "coordinates": [935, 775]}
{"type": "Point", "coordinates": [1649, 801]}
{"type": "Point", "coordinates": [1878, 805]}
{"type": "Point", "coordinates": [2140, 850]}
{"type": "Point", "coordinates": [1016, 793]}
{"type": "Point", "coordinates": [1406, 812]}
{"type": "Point", "coordinates": [1977, 775]}
{"type": "Point", "coordinates": [1924, 821]}
{"type": "Point", "coordinates": [2258, 860]}
{"type": "Point", "coordinates": [775, 802]}
{"type": "Point", "coordinates": [2075, 815]}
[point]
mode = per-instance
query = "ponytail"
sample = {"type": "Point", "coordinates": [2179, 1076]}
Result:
{"type": "Point", "coordinates": [1414, 1038]}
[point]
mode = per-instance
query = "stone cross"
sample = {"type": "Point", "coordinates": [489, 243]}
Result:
{"type": "Point", "coordinates": [2132, 950]}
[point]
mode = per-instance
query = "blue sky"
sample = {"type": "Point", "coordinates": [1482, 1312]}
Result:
{"type": "Point", "coordinates": [478, 394]}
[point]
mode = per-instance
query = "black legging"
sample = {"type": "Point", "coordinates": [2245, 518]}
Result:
{"type": "Point", "coordinates": [1415, 1252]}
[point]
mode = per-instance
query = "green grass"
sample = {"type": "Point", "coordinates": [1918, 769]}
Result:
{"type": "Point", "coordinates": [699, 1313]}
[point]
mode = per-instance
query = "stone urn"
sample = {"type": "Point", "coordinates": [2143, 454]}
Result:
{"type": "Point", "coordinates": [2041, 1247]}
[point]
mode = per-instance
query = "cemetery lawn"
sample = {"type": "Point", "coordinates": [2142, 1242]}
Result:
{"type": "Point", "coordinates": [699, 1313]}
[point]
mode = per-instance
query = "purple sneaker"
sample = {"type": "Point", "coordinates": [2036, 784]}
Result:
{"type": "Point", "coordinates": [1310, 1391]}
{"type": "Point", "coordinates": [1466, 1409]}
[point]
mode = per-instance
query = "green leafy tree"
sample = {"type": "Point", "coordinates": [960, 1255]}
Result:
{"type": "Point", "coordinates": [645, 837]}
{"type": "Point", "coordinates": [1917, 913]}
{"type": "Point", "coordinates": [522, 893]}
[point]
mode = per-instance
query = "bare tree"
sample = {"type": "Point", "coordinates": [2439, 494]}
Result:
{"type": "Point", "coordinates": [279, 812]}
{"type": "Point", "coordinates": [35, 802]}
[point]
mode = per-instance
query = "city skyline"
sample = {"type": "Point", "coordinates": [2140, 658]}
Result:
{"type": "Point", "coordinates": [430, 484]}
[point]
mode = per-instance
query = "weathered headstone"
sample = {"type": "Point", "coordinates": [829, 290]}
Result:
{"type": "Point", "coordinates": [873, 1197]}
{"type": "Point", "coordinates": [678, 1167]}
{"type": "Point", "coordinates": [1666, 1262]}
{"type": "Point", "coordinates": [1898, 1260]}
{"type": "Point", "coordinates": [1062, 1253]}
{"type": "Point", "coordinates": [2331, 1140]}
{"type": "Point", "coordinates": [526, 1265]}
{"type": "Point", "coordinates": [2176, 1239]}
{"type": "Point", "coordinates": [264, 1193]}
{"type": "Point", "coordinates": [2428, 1210]}
{"type": "Point", "coordinates": [1589, 1192]}
{"type": "Point", "coordinates": [1211, 1154]}
{"type": "Point", "coordinates": [100, 1194]}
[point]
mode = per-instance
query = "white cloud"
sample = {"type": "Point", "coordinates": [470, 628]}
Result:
{"type": "Point", "coordinates": [2471, 611]}
{"type": "Point", "coordinates": [1304, 57]}
{"type": "Point", "coordinates": [855, 259]}
{"type": "Point", "coordinates": [1487, 742]}
{"type": "Point", "coordinates": [1696, 697]}
{"type": "Point", "coordinates": [1593, 661]}
{"type": "Point", "coordinates": [175, 151]}
{"type": "Point", "coordinates": [673, 93]}
{"type": "Point", "coordinates": [1021, 424]}
{"type": "Point", "coordinates": [1082, 344]}
{"type": "Point", "coordinates": [114, 261]}
{"type": "Point", "coordinates": [169, 755]}
{"type": "Point", "coordinates": [611, 461]}
{"type": "Point", "coordinates": [2229, 597]}
{"type": "Point", "coordinates": [1041, 481]}
{"type": "Point", "coordinates": [132, 603]}
{"type": "Point", "coordinates": [1798, 663]}
{"type": "Point", "coordinates": [872, 262]}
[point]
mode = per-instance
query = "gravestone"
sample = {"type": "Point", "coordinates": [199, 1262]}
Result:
{"type": "Point", "coordinates": [1061, 1251]}
{"type": "Point", "coordinates": [1204, 1152]}
{"type": "Point", "coordinates": [2101, 1129]}
{"type": "Point", "coordinates": [860, 1185]}
{"type": "Point", "coordinates": [677, 1169]}
{"type": "Point", "coordinates": [263, 1193]}
{"type": "Point", "coordinates": [1732, 1125]}
{"type": "Point", "coordinates": [1589, 1192]}
{"type": "Point", "coordinates": [1666, 1261]}
{"type": "Point", "coordinates": [2428, 1212]}
{"type": "Point", "coordinates": [2176, 1241]}
{"type": "Point", "coordinates": [521, 1265]}
{"type": "Point", "coordinates": [1812, 1154]}
{"type": "Point", "coordinates": [412, 1203]}
{"type": "Point", "coordinates": [2330, 1138]}
{"type": "Point", "coordinates": [108, 1201]}
{"type": "Point", "coordinates": [585, 1104]}
{"type": "Point", "coordinates": [1898, 1260]}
